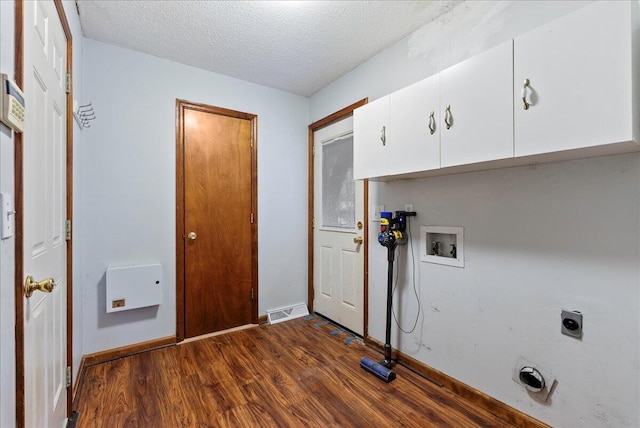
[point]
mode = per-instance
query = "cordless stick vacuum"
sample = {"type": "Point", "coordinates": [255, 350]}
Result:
{"type": "Point", "coordinates": [391, 235]}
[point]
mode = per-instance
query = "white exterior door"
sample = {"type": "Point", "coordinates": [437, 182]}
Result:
{"type": "Point", "coordinates": [44, 184]}
{"type": "Point", "coordinates": [338, 266]}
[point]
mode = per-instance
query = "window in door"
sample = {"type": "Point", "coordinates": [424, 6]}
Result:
{"type": "Point", "coordinates": [338, 187]}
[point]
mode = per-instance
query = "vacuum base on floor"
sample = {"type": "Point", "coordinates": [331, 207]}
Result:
{"type": "Point", "coordinates": [377, 369]}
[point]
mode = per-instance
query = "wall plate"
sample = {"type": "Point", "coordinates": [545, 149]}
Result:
{"type": "Point", "coordinates": [549, 379]}
{"type": "Point", "coordinates": [571, 323]}
{"type": "Point", "coordinates": [375, 212]}
{"type": "Point", "coordinates": [450, 242]}
{"type": "Point", "coordinates": [7, 215]}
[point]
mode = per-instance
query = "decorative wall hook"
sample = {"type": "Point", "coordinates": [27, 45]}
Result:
{"type": "Point", "coordinates": [83, 114]}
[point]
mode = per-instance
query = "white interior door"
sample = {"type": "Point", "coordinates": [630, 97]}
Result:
{"type": "Point", "coordinates": [44, 184]}
{"type": "Point", "coordinates": [338, 266]}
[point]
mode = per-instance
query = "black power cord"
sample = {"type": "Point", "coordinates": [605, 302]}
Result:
{"type": "Point", "coordinates": [413, 277]}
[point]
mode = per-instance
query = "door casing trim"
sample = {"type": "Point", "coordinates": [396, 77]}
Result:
{"type": "Point", "coordinates": [322, 123]}
{"type": "Point", "coordinates": [181, 105]}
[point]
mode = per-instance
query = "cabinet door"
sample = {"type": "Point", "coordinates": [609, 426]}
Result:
{"type": "Point", "coordinates": [478, 94]}
{"type": "Point", "coordinates": [371, 141]}
{"type": "Point", "coordinates": [413, 110]}
{"type": "Point", "coordinates": [579, 68]}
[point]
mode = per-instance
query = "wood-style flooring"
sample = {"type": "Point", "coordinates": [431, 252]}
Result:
{"type": "Point", "coordinates": [293, 374]}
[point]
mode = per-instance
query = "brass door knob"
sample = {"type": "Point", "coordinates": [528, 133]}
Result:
{"type": "Point", "coordinates": [46, 285]}
{"type": "Point", "coordinates": [192, 236]}
{"type": "Point", "coordinates": [358, 240]}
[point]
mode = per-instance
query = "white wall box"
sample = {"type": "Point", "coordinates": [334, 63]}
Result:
{"type": "Point", "coordinates": [582, 96]}
{"type": "Point", "coordinates": [443, 245]}
{"type": "Point", "coordinates": [131, 287]}
{"type": "Point", "coordinates": [581, 69]}
{"type": "Point", "coordinates": [476, 100]}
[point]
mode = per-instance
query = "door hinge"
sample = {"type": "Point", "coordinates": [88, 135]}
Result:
{"type": "Point", "coordinates": [313, 150]}
{"type": "Point", "coordinates": [67, 230]}
{"type": "Point", "coordinates": [313, 224]}
{"type": "Point", "coordinates": [251, 218]}
{"type": "Point", "coordinates": [252, 294]}
{"type": "Point", "coordinates": [68, 83]}
{"type": "Point", "coordinates": [68, 375]}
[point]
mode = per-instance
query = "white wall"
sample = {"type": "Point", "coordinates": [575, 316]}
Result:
{"type": "Point", "coordinates": [537, 240]}
{"type": "Point", "coordinates": [470, 28]}
{"type": "Point", "coordinates": [7, 254]}
{"type": "Point", "coordinates": [128, 179]}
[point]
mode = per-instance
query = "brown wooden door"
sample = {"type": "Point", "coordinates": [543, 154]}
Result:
{"type": "Point", "coordinates": [219, 254]}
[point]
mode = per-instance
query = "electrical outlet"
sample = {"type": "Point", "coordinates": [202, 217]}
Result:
{"type": "Point", "coordinates": [375, 212]}
{"type": "Point", "coordinates": [408, 207]}
{"type": "Point", "coordinates": [571, 323]}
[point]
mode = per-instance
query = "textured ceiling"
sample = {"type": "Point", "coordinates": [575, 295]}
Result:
{"type": "Point", "coordinates": [296, 46]}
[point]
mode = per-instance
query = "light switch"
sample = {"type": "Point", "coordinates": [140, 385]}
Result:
{"type": "Point", "coordinates": [7, 215]}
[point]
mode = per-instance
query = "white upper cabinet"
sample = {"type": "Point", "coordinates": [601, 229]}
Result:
{"type": "Point", "coordinates": [415, 127]}
{"type": "Point", "coordinates": [581, 98]}
{"type": "Point", "coordinates": [580, 72]}
{"type": "Point", "coordinates": [476, 99]}
{"type": "Point", "coordinates": [371, 140]}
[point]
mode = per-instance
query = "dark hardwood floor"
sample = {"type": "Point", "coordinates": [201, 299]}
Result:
{"type": "Point", "coordinates": [293, 374]}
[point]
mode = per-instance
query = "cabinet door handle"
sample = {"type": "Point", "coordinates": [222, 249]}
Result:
{"type": "Point", "coordinates": [383, 135]}
{"type": "Point", "coordinates": [447, 117]}
{"type": "Point", "coordinates": [432, 123]}
{"type": "Point", "coordinates": [524, 94]}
